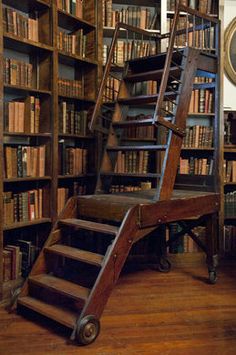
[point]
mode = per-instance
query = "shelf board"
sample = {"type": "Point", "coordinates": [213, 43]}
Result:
{"type": "Point", "coordinates": [27, 5]}
{"type": "Point", "coordinates": [79, 98]}
{"type": "Point", "coordinates": [37, 178]}
{"type": "Point", "coordinates": [26, 224]}
{"type": "Point", "coordinates": [198, 149]}
{"type": "Point", "coordinates": [204, 85]}
{"type": "Point", "coordinates": [24, 45]}
{"type": "Point", "coordinates": [24, 134]}
{"type": "Point", "coordinates": [73, 23]}
{"type": "Point", "coordinates": [230, 148]}
{"type": "Point", "coordinates": [8, 88]}
{"type": "Point", "coordinates": [71, 59]}
{"type": "Point", "coordinates": [132, 175]}
{"type": "Point", "coordinates": [201, 114]}
{"type": "Point", "coordinates": [68, 135]}
{"type": "Point", "coordinates": [63, 177]}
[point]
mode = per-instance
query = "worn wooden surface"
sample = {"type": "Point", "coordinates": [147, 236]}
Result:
{"type": "Point", "coordinates": [148, 313]}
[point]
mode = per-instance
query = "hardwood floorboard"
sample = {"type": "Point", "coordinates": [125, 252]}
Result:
{"type": "Point", "coordinates": [149, 313]}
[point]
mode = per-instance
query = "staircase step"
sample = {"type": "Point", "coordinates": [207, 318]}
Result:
{"type": "Point", "coordinates": [137, 147]}
{"type": "Point", "coordinates": [92, 226]}
{"type": "Point", "coordinates": [59, 314]}
{"type": "Point", "coordinates": [144, 99]}
{"type": "Point", "coordinates": [150, 75]}
{"type": "Point", "coordinates": [131, 123]}
{"type": "Point", "coordinates": [75, 254]}
{"type": "Point", "coordinates": [64, 287]}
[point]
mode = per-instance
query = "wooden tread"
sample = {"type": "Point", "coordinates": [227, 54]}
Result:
{"type": "Point", "coordinates": [143, 99]}
{"type": "Point", "coordinates": [59, 314]}
{"type": "Point", "coordinates": [64, 287]}
{"type": "Point", "coordinates": [150, 75]}
{"type": "Point", "coordinates": [136, 148]}
{"type": "Point", "coordinates": [92, 226]}
{"type": "Point", "coordinates": [130, 123]}
{"type": "Point", "coordinates": [75, 254]}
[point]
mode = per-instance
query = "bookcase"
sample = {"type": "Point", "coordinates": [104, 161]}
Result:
{"type": "Point", "coordinates": [49, 77]}
{"type": "Point", "coordinates": [229, 171]}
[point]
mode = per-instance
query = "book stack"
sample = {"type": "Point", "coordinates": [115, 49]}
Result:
{"type": "Point", "coordinates": [68, 87]}
{"type": "Point", "coordinates": [12, 262]}
{"type": "Point", "coordinates": [73, 7]}
{"type": "Point", "coordinates": [16, 72]}
{"type": "Point", "coordinates": [72, 121]}
{"type": "Point", "coordinates": [137, 16]}
{"type": "Point", "coordinates": [230, 204]}
{"type": "Point", "coordinates": [132, 162]}
{"type": "Point", "coordinates": [198, 137]}
{"type": "Point", "coordinates": [73, 160]}
{"type": "Point", "coordinates": [63, 194]}
{"type": "Point", "coordinates": [22, 116]}
{"type": "Point", "coordinates": [201, 101]}
{"type": "Point", "coordinates": [20, 25]}
{"type": "Point", "coordinates": [24, 161]}
{"type": "Point", "coordinates": [72, 43]}
{"type": "Point", "coordinates": [230, 239]}
{"type": "Point", "coordinates": [139, 132]}
{"type": "Point", "coordinates": [229, 170]}
{"type": "Point", "coordinates": [196, 166]}
{"type": "Point", "coordinates": [22, 207]}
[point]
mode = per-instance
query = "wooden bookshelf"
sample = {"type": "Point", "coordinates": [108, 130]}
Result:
{"type": "Point", "coordinates": [48, 65]}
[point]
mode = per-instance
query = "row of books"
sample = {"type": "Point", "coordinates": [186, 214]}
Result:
{"type": "Point", "coordinates": [145, 88]}
{"type": "Point", "coordinates": [73, 160]}
{"type": "Point", "coordinates": [203, 6]}
{"type": "Point", "coordinates": [72, 43]}
{"type": "Point", "coordinates": [139, 132]}
{"type": "Point", "coordinates": [132, 162]}
{"type": "Point", "coordinates": [202, 80]}
{"type": "Point", "coordinates": [230, 239]}
{"type": "Point", "coordinates": [22, 207]}
{"type": "Point", "coordinates": [20, 25]}
{"type": "Point", "coordinates": [22, 116]}
{"type": "Point", "coordinates": [72, 121]}
{"type": "Point", "coordinates": [63, 194]}
{"type": "Point", "coordinates": [198, 137]}
{"type": "Point", "coordinates": [145, 185]}
{"type": "Point", "coordinates": [229, 170]}
{"type": "Point", "coordinates": [126, 50]}
{"type": "Point", "coordinates": [191, 34]}
{"type": "Point", "coordinates": [201, 101]}
{"type": "Point", "coordinates": [67, 87]}
{"type": "Point", "coordinates": [185, 243]}
{"type": "Point", "coordinates": [18, 259]}
{"type": "Point", "coordinates": [196, 166]}
{"type": "Point", "coordinates": [24, 161]}
{"type": "Point", "coordinates": [137, 16]}
{"type": "Point", "coordinates": [16, 72]}
{"type": "Point", "coordinates": [230, 204]}
{"type": "Point", "coordinates": [73, 7]}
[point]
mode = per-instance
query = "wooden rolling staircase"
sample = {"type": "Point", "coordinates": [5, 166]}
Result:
{"type": "Point", "coordinates": [80, 263]}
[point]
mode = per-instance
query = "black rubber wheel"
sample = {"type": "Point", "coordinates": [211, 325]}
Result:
{"type": "Point", "coordinates": [164, 265]}
{"type": "Point", "coordinates": [88, 330]}
{"type": "Point", "coordinates": [212, 277]}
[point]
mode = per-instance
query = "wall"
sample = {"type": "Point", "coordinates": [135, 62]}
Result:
{"type": "Point", "coordinates": [229, 88]}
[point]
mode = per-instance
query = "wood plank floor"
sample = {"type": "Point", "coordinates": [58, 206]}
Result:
{"type": "Point", "coordinates": [149, 313]}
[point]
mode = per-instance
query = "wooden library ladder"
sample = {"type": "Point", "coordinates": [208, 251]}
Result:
{"type": "Point", "coordinates": [81, 261]}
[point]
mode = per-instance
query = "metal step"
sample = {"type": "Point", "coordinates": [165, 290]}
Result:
{"type": "Point", "coordinates": [75, 254]}
{"type": "Point", "coordinates": [61, 286]}
{"type": "Point", "coordinates": [88, 225]}
{"type": "Point", "coordinates": [58, 313]}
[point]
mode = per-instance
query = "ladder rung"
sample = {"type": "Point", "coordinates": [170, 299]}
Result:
{"type": "Point", "coordinates": [149, 75]}
{"type": "Point", "coordinates": [88, 225]}
{"type": "Point", "coordinates": [75, 254]}
{"type": "Point", "coordinates": [58, 313]}
{"type": "Point", "coordinates": [137, 148]}
{"type": "Point", "coordinates": [128, 123]}
{"type": "Point", "coordinates": [64, 287]}
{"type": "Point", "coordinates": [144, 99]}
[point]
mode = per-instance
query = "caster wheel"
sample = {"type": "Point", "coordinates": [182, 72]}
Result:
{"type": "Point", "coordinates": [212, 277]}
{"type": "Point", "coordinates": [88, 330]}
{"type": "Point", "coordinates": [164, 265]}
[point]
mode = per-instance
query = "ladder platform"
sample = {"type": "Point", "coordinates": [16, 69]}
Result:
{"type": "Point", "coordinates": [60, 314]}
{"type": "Point", "coordinates": [89, 225]}
{"type": "Point", "coordinates": [75, 254]}
{"type": "Point", "coordinates": [150, 75]}
{"type": "Point", "coordinates": [61, 286]}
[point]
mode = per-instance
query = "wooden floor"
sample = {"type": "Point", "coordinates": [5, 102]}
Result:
{"type": "Point", "coordinates": [149, 313]}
